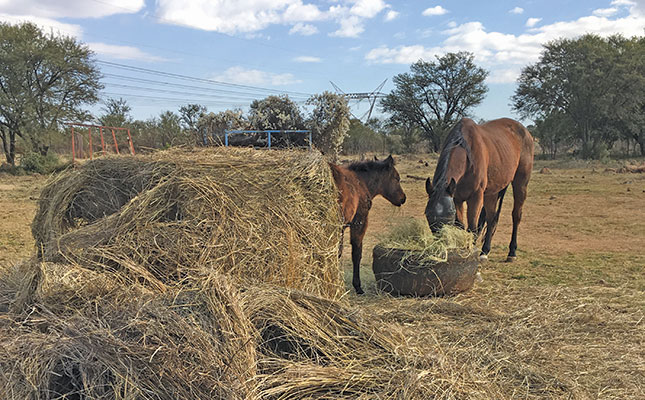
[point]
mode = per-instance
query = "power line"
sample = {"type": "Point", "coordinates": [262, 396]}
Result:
{"type": "Point", "coordinates": [195, 79]}
{"type": "Point", "coordinates": [179, 85]}
{"type": "Point", "coordinates": [158, 90]}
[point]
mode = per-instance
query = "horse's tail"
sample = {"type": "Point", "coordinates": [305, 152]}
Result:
{"type": "Point", "coordinates": [482, 216]}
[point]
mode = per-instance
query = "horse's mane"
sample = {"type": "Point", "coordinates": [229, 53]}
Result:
{"type": "Point", "coordinates": [367, 166]}
{"type": "Point", "coordinates": [454, 139]}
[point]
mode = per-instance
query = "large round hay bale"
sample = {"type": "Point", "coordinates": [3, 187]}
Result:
{"type": "Point", "coordinates": [84, 334]}
{"type": "Point", "coordinates": [181, 215]}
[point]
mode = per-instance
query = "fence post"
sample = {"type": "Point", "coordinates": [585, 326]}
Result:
{"type": "Point", "coordinates": [102, 142]}
{"type": "Point", "coordinates": [116, 145]}
{"type": "Point", "coordinates": [73, 147]}
{"type": "Point", "coordinates": [130, 141]}
{"type": "Point", "coordinates": [89, 134]}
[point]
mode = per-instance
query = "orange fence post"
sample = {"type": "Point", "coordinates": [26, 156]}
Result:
{"type": "Point", "coordinates": [73, 147]}
{"type": "Point", "coordinates": [130, 141]}
{"type": "Point", "coordinates": [102, 143]}
{"type": "Point", "coordinates": [116, 145]}
{"type": "Point", "coordinates": [89, 133]}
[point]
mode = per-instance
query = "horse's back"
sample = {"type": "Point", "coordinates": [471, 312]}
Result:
{"type": "Point", "coordinates": [348, 187]}
{"type": "Point", "coordinates": [505, 145]}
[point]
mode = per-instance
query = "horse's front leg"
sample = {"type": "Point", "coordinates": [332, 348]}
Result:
{"type": "Point", "coordinates": [357, 232]}
{"type": "Point", "coordinates": [475, 204]}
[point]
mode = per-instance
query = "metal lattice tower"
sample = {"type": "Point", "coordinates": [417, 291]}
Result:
{"type": "Point", "coordinates": [360, 96]}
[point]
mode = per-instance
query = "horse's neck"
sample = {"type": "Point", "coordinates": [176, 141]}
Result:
{"type": "Point", "coordinates": [371, 182]}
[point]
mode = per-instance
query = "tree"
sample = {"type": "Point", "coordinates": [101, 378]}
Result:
{"type": "Point", "coordinates": [169, 129]}
{"type": "Point", "coordinates": [275, 113]}
{"type": "Point", "coordinates": [189, 116]}
{"type": "Point", "coordinates": [116, 113]}
{"type": "Point", "coordinates": [583, 80]}
{"type": "Point", "coordinates": [329, 122]}
{"type": "Point", "coordinates": [553, 132]}
{"type": "Point", "coordinates": [435, 95]}
{"type": "Point", "coordinates": [213, 125]}
{"type": "Point", "coordinates": [43, 79]}
{"type": "Point", "coordinates": [361, 138]}
{"type": "Point", "coordinates": [629, 117]}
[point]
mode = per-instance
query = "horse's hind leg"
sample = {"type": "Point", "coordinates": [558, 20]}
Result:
{"type": "Point", "coordinates": [492, 218]}
{"type": "Point", "coordinates": [519, 196]}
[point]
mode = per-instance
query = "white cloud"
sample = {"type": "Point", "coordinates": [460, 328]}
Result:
{"type": "Point", "coordinates": [245, 76]}
{"type": "Point", "coordinates": [45, 13]}
{"type": "Point", "coordinates": [367, 8]}
{"type": "Point", "coordinates": [531, 22]}
{"type": "Point", "coordinates": [349, 27]}
{"type": "Point", "coordinates": [245, 16]}
{"type": "Point", "coordinates": [436, 10]}
{"type": "Point", "coordinates": [605, 12]}
{"type": "Point", "coordinates": [303, 29]}
{"type": "Point", "coordinates": [517, 10]}
{"type": "Point", "coordinates": [391, 15]}
{"type": "Point", "coordinates": [123, 52]}
{"type": "Point", "coordinates": [235, 16]}
{"type": "Point", "coordinates": [46, 24]}
{"type": "Point", "coordinates": [71, 8]}
{"type": "Point", "coordinates": [307, 59]}
{"type": "Point", "coordinates": [505, 54]}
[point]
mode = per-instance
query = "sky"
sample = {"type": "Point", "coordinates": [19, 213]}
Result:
{"type": "Point", "coordinates": [159, 55]}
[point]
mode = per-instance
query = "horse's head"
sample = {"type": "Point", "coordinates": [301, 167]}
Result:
{"type": "Point", "coordinates": [390, 183]}
{"type": "Point", "coordinates": [440, 209]}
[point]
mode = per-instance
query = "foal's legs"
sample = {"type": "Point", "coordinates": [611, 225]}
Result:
{"type": "Point", "coordinates": [519, 196]}
{"type": "Point", "coordinates": [357, 232]}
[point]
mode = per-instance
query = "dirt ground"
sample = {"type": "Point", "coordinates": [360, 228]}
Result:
{"type": "Point", "coordinates": [566, 320]}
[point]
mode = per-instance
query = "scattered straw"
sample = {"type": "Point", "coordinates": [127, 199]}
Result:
{"type": "Point", "coordinates": [84, 334]}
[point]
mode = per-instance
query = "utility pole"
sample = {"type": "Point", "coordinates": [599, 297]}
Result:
{"type": "Point", "coordinates": [359, 96]}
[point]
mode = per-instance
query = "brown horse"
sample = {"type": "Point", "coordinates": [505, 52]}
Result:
{"type": "Point", "coordinates": [476, 165]}
{"type": "Point", "coordinates": [358, 183]}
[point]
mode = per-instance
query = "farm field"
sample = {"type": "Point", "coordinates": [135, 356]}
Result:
{"type": "Point", "coordinates": [566, 320]}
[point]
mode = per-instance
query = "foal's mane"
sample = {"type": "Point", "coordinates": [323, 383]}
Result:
{"type": "Point", "coordinates": [454, 139]}
{"type": "Point", "coordinates": [368, 166]}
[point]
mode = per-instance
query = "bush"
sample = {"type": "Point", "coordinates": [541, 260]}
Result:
{"type": "Point", "coordinates": [39, 164]}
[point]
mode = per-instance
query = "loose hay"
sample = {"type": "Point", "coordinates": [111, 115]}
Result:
{"type": "Point", "coordinates": [415, 237]}
{"type": "Point", "coordinates": [178, 215]}
{"type": "Point", "coordinates": [86, 335]}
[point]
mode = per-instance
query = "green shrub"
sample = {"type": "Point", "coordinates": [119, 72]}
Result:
{"type": "Point", "coordinates": [39, 164]}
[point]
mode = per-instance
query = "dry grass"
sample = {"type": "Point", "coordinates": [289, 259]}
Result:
{"type": "Point", "coordinates": [179, 215]}
{"type": "Point", "coordinates": [565, 321]}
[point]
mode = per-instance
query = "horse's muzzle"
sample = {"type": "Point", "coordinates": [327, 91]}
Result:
{"type": "Point", "coordinates": [437, 223]}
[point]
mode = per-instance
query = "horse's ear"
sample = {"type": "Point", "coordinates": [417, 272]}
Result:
{"type": "Point", "coordinates": [375, 158]}
{"type": "Point", "coordinates": [450, 189]}
{"type": "Point", "coordinates": [428, 186]}
{"type": "Point", "coordinates": [390, 160]}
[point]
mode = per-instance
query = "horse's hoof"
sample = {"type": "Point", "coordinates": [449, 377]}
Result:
{"type": "Point", "coordinates": [359, 291]}
{"type": "Point", "coordinates": [483, 257]}
{"type": "Point", "coordinates": [511, 259]}
{"type": "Point", "coordinates": [478, 278]}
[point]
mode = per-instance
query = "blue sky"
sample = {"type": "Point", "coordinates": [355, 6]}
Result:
{"type": "Point", "coordinates": [258, 47]}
